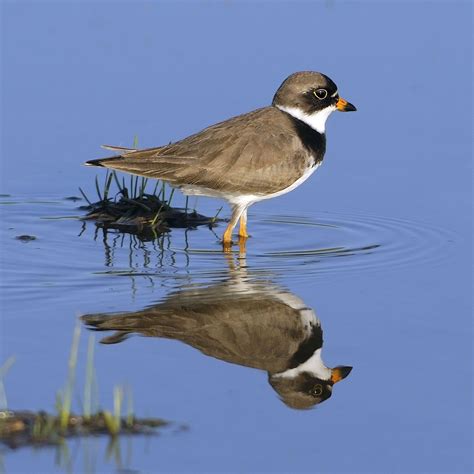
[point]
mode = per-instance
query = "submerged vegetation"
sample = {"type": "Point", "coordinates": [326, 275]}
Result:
{"type": "Point", "coordinates": [27, 428]}
{"type": "Point", "coordinates": [134, 210]}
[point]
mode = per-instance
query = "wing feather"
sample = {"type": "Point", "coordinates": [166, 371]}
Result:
{"type": "Point", "coordinates": [235, 155]}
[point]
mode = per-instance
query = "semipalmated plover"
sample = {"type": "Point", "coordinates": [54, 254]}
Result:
{"type": "Point", "coordinates": [254, 156]}
{"type": "Point", "coordinates": [253, 324]}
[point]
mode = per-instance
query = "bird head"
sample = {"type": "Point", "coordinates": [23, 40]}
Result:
{"type": "Point", "coordinates": [305, 390]}
{"type": "Point", "coordinates": [311, 97]}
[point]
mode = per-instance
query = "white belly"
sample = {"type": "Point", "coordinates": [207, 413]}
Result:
{"type": "Point", "coordinates": [246, 199]}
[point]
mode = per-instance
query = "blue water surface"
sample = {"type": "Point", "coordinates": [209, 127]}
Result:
{"type": "Point", "coordinates": [377, 242]}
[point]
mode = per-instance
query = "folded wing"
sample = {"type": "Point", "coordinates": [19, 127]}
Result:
{"type": "Point", "coordinates": [234, 155]}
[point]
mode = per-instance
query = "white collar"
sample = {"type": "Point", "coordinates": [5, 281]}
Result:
{"type": "Point", "coordinates": [316, 120]}
{"type": "Point", "coordinates": [314, 365]}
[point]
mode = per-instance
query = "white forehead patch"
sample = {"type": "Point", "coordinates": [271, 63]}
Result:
{"type": "Point", "coordinates": [316, 120]}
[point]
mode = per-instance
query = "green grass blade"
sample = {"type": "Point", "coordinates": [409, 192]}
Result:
{"type": "Point", "coordinates": [135, 187]}
{"type": "Point", "coordinates": [89, 378]}
{"type": "Point", "coordinates": [108, 182]}
{"type": "Point", "coordinates": [143, 186]}
{"type": "Point", "coordinates": [97, 188]}
{"type": "Point", "coordinates": [157, 215]}
{"type": "Point", "coordinates": [117, 182]}
{"type": "Point", "coordinates": [118, 399]}
{"type": "Point", "coordinates": [84, 196]}
{"type": "Point", "coordinates": [171, 197]}
{"type": "Point", "coordinates": [109, 422]}
{"type": "Point", "coordinates": [130, 414]}
{"type": "Point", "coordinates": [58, 402]}
{"type": "Point", "coordinates": [131, 195]}
{"type": "Point", "coordinates": [217, 214]}
{"type": "Point", "coordinates": [124, 188]}
{"type": "Point", "coordinates": [163, 192]}
{"type": "Point", "coordinates": [67, 402]}
{"type": "Point", "coordinates": [3, 371]}
{"type": "Point", "coordinates": [6, 366]}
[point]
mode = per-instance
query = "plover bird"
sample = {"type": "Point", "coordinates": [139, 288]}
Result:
{"type": "Point", "coordinates": [254, 156]}
{"type": "Point", "coordinates": [250, 323]}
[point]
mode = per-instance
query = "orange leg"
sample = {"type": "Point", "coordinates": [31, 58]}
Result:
{"type": "Point", "coordinates": [243, 226]}
{"type": "Point", "coordinates": [227, 237]}
{"type": "Point", "coordinates": [242, 247]}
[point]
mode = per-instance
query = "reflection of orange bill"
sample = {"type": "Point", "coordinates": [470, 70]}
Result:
{"type": "Point", "coordinates": [344, 106]}
{"type": "Point", "coordinates": [339, 373]}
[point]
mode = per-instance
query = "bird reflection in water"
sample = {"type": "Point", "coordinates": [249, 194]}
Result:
{"type": "Point", "coordinates": [255, 323]}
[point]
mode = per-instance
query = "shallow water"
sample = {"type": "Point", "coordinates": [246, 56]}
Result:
{"type": "Point", "coordinates": [376, 246]}
{"type": "Point", "coordinates": [368, 290]}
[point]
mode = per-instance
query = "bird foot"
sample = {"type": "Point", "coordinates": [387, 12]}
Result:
{"type": "Point", "coordinates": [227, 244]}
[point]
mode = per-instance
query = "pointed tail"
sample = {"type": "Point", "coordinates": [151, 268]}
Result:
{"type": "Point", "coordinates": [119, 149]}
{"type": "Point", "coordinates": [100, 161]}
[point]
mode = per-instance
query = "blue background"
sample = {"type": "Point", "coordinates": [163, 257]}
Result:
{"type": "Point", "coordinates": [79, 74]}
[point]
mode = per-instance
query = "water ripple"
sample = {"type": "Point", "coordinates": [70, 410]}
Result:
{"type": "Point", "coordinates": [360, 242]}
{"type": "Point", "coordinates": [295, 246]}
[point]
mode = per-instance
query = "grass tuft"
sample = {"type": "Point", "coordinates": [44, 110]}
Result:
{"type": "Point", "coordinates": [136, 210]}
{"type": "Point", "coordinates": [26, 428]}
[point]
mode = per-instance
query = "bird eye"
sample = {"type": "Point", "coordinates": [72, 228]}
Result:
{"type": "Point", "coordinates": [316, 390]}
{"type": "Point", "coordinates": [321, 93]}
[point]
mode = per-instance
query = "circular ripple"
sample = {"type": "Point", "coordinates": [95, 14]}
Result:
{"type": "Point", "coordinates": [334, 242]}
{"type": "Point", "coordinates": [319, 243]}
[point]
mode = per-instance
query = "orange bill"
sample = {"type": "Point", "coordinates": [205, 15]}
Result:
{"type": "Point", "coordinates": [344, 106]}
{"type": "Point", "coordinates": [339, 373]}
